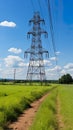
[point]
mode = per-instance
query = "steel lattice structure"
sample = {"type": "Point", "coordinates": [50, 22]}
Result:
{"type": "Point", "coordinates": [36, 70]}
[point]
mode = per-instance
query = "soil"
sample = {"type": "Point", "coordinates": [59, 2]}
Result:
{"type": "Point", "coordinates": [25, 120]}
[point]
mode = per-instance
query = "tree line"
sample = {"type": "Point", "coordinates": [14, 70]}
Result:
{"type": "Point", "coordinates": [66, 79]}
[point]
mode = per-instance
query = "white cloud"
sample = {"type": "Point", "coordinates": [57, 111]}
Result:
{"type": "Point", "coordinates": [15, 50]}
{"type": "Point", "coordinates": [63, 71]}
{"type": "Point", "coordinates": [58, 52]}
{"type": "Point", "coordinates": [55, 69]}
{"type": "Point", "coordinates": [36, 63]}
{"type": "Point", "coordinates": [12, 61]}
{"type": "Point", "coordinates": [15, 61]}
{"type": "Point", "coordinates": [66, 71]}
{"type": "Point", "coordinates": [69, 66]}
{"type": "Point", "coordinates": [22, 64]}
{"type": "Point", "coordinates": [0, 67]}
{"type": "Point", "coordinates": [47, 62]}
{"type": "Point", "coordinates": [53, 59]}
{"type": "Point", "coordinates": [8, 73]}
{"type": "Point", "coordinates": [7, 24]}
{"type": "Point", "coordinates": [58, 68]}
{"type": "Point", "coordinates": [21, 73]}
{"type": "Point", "coordinates": [53, 73]}
{"type": "Point", "coordinates": [21, 68]}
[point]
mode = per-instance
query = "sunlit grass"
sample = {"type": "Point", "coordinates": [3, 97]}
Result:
{"type": "Point", "coordinates": [66, 101]}
{"type": "Point", "coordinates": [46, 116]}
{"type": "Point", "coordinates": [15, 98]}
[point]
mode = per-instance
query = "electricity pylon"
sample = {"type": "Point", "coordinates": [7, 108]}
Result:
{"type": "Point", "coordinates": [36, 70]}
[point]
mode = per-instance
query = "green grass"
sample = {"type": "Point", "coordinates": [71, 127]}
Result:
{"type": "Point", "coordinates": [66, 101]}
{"type": "Point", "coordinates": [46, 116]}
{"type": "Point", "coordinates": [15, 98]}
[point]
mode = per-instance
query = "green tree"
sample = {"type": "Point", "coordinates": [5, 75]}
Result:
{"type": "Point", "coordinates": [66, 79]}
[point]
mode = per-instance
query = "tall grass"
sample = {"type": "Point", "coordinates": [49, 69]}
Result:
{"type": "Point", "coordinates": [46, 116]}
{"type": "Point", "coordinates": [15, 98]}
{"type": "Point", "coordinates": [66, 101]}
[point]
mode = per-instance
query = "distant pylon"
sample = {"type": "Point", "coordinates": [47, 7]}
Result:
{"type": "Point", "coordinates": [14, 74]}
{"type": "Point", "coordinates": [36, 70]}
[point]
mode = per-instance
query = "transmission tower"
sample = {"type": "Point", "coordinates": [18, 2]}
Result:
{"type": "Point", "coordinates": [36, 70]}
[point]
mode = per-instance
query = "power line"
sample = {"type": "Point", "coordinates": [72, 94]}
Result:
{"type": "Point", "coordinates": [40, 8]}
{"type": "Point", "coordinates": [33, 6]}
{"type": "Point", "coordinates": [51, 27]}
{"type": "Point", "coordinates": [42, 13]}
{"type": "Point", "coordinates": [52, 33]}
{"type": "Point", "coordinates": [39, 3]}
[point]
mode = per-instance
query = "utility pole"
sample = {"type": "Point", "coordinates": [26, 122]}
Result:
{"type": "Point", "coordinates": [14, 74]}
{"type": "Point", "coordinates": [36, 70]}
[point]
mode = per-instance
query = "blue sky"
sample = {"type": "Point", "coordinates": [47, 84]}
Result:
{"type": "Point", "coordinates": [14, 18]}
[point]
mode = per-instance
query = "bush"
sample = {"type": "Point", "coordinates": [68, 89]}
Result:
{"type": "Point", "coordinates": [66, 79]}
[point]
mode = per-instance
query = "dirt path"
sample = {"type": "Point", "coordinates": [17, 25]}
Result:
{"type": "Point", "coordinates": [25, 120]}
{"type": "Point", "coordinates": [59, 116]}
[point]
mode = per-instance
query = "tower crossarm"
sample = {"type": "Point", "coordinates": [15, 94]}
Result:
{"type": "Point", "coordinates": [30, 33]}
{"type": "Point", "coordinates": [39, 33]}
{"type": "Point", "coordinates": [44, 32]}
{"type": "Point", "coordinates": [43, 51]}
{"type": "Point", "coordinates": [36, 21]}
{"type": "Point", "coordinates": [28, 51]}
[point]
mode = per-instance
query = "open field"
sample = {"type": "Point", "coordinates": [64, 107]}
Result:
{"type": "Point", "coordinates": [46, 116]}
{"type": "Point", "coordinates": [65, 93]}
{"type": "Point", "coordinates": [56, 112]}
{"type": "Point", "coordinates": [15, 98]}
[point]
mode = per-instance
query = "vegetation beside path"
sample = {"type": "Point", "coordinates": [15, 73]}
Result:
{"type": "Point", "coordinates": [46, 116]}
{"type": "Point", "coordinates": [16, 98]}
{"type": "Point", "coordinates": [65, 93]}
{"type": "Point", "coordinates": [56, 112]}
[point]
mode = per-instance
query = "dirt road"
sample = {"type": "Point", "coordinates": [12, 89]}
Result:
{"type": "Point", "coordinates": [25, 120]}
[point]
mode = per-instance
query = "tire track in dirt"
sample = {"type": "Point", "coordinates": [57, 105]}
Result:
{"type": "Point", "coordinates": [59, 116]}
{"type": "Point", "coordinates": [25, 120]}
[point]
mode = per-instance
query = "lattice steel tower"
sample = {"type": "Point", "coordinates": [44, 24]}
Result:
{"type": "Point", "coordinates": [36, 70]}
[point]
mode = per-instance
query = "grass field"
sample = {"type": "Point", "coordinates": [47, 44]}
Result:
{"type": "Point", "coordinates": [65, 93]}
{"type": "Point", "coordinates": [15, 98]}
{"type": "Point", "coordinates": [46, 116]}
